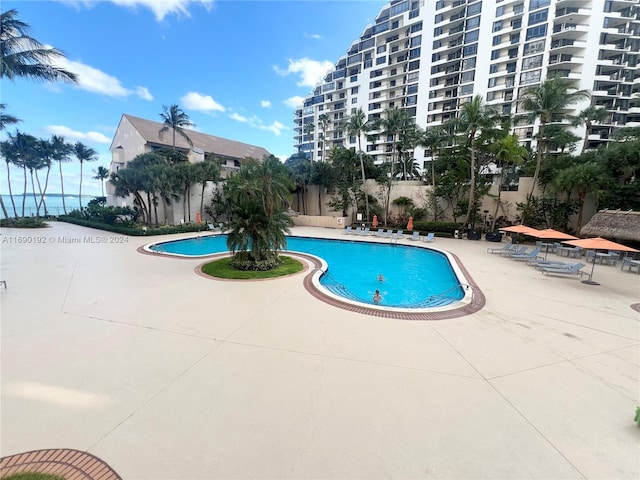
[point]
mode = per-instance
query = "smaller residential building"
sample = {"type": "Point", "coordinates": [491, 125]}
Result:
{"type": "Point", "coordinates": [136, 135]}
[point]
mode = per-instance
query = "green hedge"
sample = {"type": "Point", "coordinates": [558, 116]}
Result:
{"type": "Point", "coordinates": [134, 231]}
{"type": "Point", "coordinates": [441, 229]}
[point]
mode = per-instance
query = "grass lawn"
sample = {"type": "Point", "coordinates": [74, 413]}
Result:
{"type": "Point", "coordinates": [32, 476]}
{"type": "Point", "coordinates": [222, 269]}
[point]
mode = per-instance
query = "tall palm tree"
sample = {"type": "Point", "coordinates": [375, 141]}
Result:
{"type": "Point", "coordinates": [206, 172]}
{"type": "Point", "coordinates": [507, 151]}
{"type": "Point", "coordinates": [323, 122]}
{"type": "Point", "coordinates": [23, 152]}
{"type": "Point", "coordinates": [475, 118]}
{"type": "Point", "coordinates": [392, 124]}
{"type": "Point", "coordinates": [434, 139]}
{"type": "Point", "coordinates": [23, 56]}
{"type": "Point", "coordinates": [83, 154]}
{"type": "Point", "coordinates": [101, 174]}
{"type": "Point", "coordinates": [356, 125]}
{"type": "Point", "coordinates": [588, 117]}
{"type": "Point", "coordinates": [174, 119]}
{"type": "Point", "coordinates": [8, 152]}
{"type": "Point", "coordinates": [45, 150]}
{"type": "Point", "coordinates": [584, 178]}
{"type": "Point", "coordinates": [547, 103]}
{"type": "Point", "coordinates": [61, 154]}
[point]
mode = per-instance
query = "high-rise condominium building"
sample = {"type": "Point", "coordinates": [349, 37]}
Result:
{"type": "Point", "coordinates": [430, 57]}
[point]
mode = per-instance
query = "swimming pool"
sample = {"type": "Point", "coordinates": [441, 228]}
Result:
{"type": "Point", "coordinates": [412, 277]}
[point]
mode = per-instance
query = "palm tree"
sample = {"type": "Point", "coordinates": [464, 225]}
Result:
{"type": "Point", "coordinates": [584, 178]}
{"type": "Point", "coordinates": [61, 153]}
{"type": "Point", "coordinates": [587, 117]}
{"type": "Point", "coordinates": [547, 103]}
{"type": "Point", "coordinates": [394, 122]}
{"type": "Point", "coordinates": [323, 122]}
{"type": "Point", "coordinates": [23, 56]}
{"type": "Point", "coordinates": [260, 194]}
{"type": "Point", "coordinates": [434, 139]}
{"type": "Point", "coordinates": [507, 150]}
{"type": "Point", "coordinates": [356, 125]}
{"type": "Point", "coordinates": [8, 152]}
{"type": "Point", "coordinates": [475, 118]}
{"type": "Point", "coordinates": [102, 174]}
{"type": "Point", "coordinates": [206, 172]}
{"type": "Point", "coordinates": [22, 149]}
{"type": "Point", "coordinates": [175, 119]}
{"type": "Point", "coordinates": [83, 154]}
{"type": "Point", "coordinates": [45, 150]}
{"type": "Point", "coordinates": [6, 119]}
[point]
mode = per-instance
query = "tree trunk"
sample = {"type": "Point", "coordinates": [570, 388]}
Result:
{"type": "Point", "coordinates": [64, 206]}
{"type": "Point", "coordinates": [33, 193]}
{"type": "Point", "coordinates": [541, 146]}
{"type": "Point", "coordinates": [4, 209]}
{"type": "Point", "coordinates": [586, 137]}
{"type": "Point", "coordinates": [15, 212]}
{"type": "Point", "coordinates": [80, 194]}
{"type": "Point", "coordinates": [364, 179]}
{"type": "Point", "coordinates": [472, 188]}
{"type": "Point", "coordinates": [204, 186]}
{"type": "Point", "coordinates": [495, 213]}
{"type": "Point", "coordinates": [149, 205]}
{"type": "Point", "coordinates": [43, 191]}
{"type": "Point", "coordinates": [581, 196]}
{"type": "Point", "coordinates": [24, 195]}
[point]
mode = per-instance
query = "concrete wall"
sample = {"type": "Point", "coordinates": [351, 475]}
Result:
{"type": "Point", "coordinates": [320, 221]}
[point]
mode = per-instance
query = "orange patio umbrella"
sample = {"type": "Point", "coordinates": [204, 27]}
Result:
{"type": "Point", "coordinates": [410, 224]}
{"type": "Point", "coordinates": [551, 234]}
{"type": "Point", "coordinates": [520, 229]}
{"type": "Point", "coordinates": [598, 243]}
{"type": "Point", "coordinates": [374, 222]}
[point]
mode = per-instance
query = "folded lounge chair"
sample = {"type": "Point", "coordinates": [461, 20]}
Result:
{"type": "Point", "coordinates": [569, 269]}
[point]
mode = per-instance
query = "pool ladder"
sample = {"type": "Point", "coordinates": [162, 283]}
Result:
{"type": "Point", "coordinates": [433, 299]}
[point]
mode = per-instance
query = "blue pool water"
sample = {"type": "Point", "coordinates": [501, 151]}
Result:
{"type": "Point", "coordinates": [413, 277]}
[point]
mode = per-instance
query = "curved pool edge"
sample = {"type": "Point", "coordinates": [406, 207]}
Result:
{"type": "Point", "coordinates": [473, 300]}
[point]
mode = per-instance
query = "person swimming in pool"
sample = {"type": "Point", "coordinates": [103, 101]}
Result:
{"type": "Point", "coordinates": [380, 278]}
{"type": "Point", "coordinates": [377, 298]}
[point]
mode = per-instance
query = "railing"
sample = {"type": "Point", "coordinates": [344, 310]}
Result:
{"type": "Point", "coordinates": [433, 298]}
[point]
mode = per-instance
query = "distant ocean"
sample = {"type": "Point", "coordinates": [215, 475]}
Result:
{"type": "Point", "coordinates": [53, 201]}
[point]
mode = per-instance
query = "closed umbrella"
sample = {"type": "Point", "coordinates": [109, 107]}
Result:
{"type": "Point", "coordinates": [374, 222]}
{"type": "Point", "coordinates": [598, 243]}
{"type": "Point", "coordinates": [410, 224]}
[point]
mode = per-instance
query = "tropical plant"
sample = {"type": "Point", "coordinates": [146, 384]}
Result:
{"type": "Point", "coordinates": [61, 154]}
{"type": "Point", "coordinates": [587, 117]}
{"type": "Point", "coordinates": [259, 194]}
{"type": "Point", "coordinates": [83, 154]}
{"type": "Point", "coordinates": [434, 139]}
{"type": "Point", "coordinates": [356, 125]}
{"type": "Point", "coordinates": [174, 119]}
{"type": "Point", "coordinates": [101, 174]}
{"type": "Point", "coordinates": [475, 119]}
{"type": "Point", "coordinates": [507, 151]}
{"type": "Point", "coordinates": [5, 118]}
{"type": "Point", "coordinates": [547, 103]}
{"type": "Point", "coordinates": [8, 153]}
{"type": "Point", "coordinates": [23, 56]}
{"type": "Point", "coordinates": [584, 178]}
{"type": "Point", "coordinates": [345, 163]}
{"type": "Point", "coordinates": [45, 152]}
{"type": "Point", "coordinates": [323, 122]}
{"type": "Point", "coordinates": [206, 172]}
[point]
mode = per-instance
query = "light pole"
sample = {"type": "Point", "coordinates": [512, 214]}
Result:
{"type": "Point", "coordinates": [484, 227]}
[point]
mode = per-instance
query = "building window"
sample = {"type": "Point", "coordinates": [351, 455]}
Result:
{"type": "Point", "coordinates": [415, 41]}
{"type": "Point", "coordinates": [533, 47]}
{"type": "Point", "coordinates": [471, 36]}
{"type": "Point", "coordinates": [416, 27]}
{"type": "Point", "coordinates": [532, 62]}
{"type": "Point", "coordinates": [530, 77]}
{"type": "Point", "coordinates": [539, 31]}
{"type": "Point", "coordinates": [354, 100]}
{"type": "Point", "coordinates": [491, 96]}
{"type": "Point", "coordinates": [493, 68]}
{"type": "Point", "coordinates": [381, 60]}
{"type": "Point", "coordinates": [470, 50]}
{"type": "Point", "coordinates": [468, 63]}
{"type": "Point", "coordinates": [497, 40]}
{"type": "Point", "coordinates": [492, 82]}
{"type": "Point", "coordinates": [533, 4]}
{"type": "Point", "coordinates": [415, 65]}
{"type": "Point", "coordinates": [473, 23]}
{"type": "Point", "coordinates": [473, 9]}
{"type": "Point", "coordinates": [538, 17]}
{"type": "Point", "coordinates": [495, 54]}
{"type": "Point", "coordinates": [497, 26]}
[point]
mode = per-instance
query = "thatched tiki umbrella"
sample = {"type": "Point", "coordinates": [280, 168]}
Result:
{"type": "Point", "coordinates": [614, 224]}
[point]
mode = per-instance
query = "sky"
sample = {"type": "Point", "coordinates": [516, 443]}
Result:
{"type": "Point", "coordinates": [237, 68]}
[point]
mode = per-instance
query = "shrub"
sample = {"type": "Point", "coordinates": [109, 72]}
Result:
{"type": "Point", "coordinates": [132, 229]}
{"type": "Point", "coordinates": [26, 222]}
{"type": "Point", "coordinates": [441, 229]}
{"type": "Point", "coordinates": [245, 261]}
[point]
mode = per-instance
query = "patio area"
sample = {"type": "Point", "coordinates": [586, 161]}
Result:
{"type": "Point", "coordinates": [164, 374]}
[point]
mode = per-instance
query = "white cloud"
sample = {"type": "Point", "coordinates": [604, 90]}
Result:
{"type": "Point", "coordinates": [200, 102]}
{"type": "Point", "coordinates": [238, 118]}
{"type": "Point", "coordinates": [276, 127]}
{"type": "Point", "coordinates": [314, 36]}
{"type": "Point", "coordinates": [310, 71]}
{"type": "Point", "coordinates": [160, 8]}
{"type": "Point", "coordinates": [265, 103]}
{"type": "Point", "coordinates": [74, 135]}
{"type": "Point", "coordinates": [294, 102]}
{"type": "Point", "coordinates": [94, 80]}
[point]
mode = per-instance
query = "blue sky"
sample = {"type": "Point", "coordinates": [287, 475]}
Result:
{"type": "Point", "coordinates": [237, 68]}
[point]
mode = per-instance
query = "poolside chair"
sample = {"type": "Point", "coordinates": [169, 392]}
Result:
{"type": "Point", "coordinates": [211, 226]}
{"type": "Point", "coordinates": [398, 234]}
{"type": "Point", "coordinates": [415, 236]}
{"type": "Point", "coordinates": [519, 251]}
{"type": "Point", "coordinates": [507, 247]}
{"type": "Point", "coordinates": [429, 237]}
{"type": "Point", "coordinates": [533, 254]}
{"type": "Point", "coordinates": [347, 231]}
{"type": "Point", "coordinates": [569, 269]}
{"type": "Point", "coordinates": [365, 232]}
{"type": "Point", "coordinates": [380, 232]}
{"type": "Point", "coordinates": [538, 263]}
{"type": "Point", "coordinates": [357, 231]}
{"type": "Point", "coordinates": [388, 233]}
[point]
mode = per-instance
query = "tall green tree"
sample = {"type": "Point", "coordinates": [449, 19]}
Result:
{"type": "Point", "coordinates": [83, 154]}
{"type": "Point", "coordinates": [547, 102]}
{"type": "Point", "coordinates": [475, 118]}
{"type": "Point", "coordinates": [46, 152]}
{"type": "Point", "coordinates": [357, 125]}
{"type": "Point", "coordinates": [260, 194]}
{"type": "Point", "coordinates": [507, 151]}
{"type": "Point", "coordinates": [8, 153]}
{"type": "Point", "coordinates": [21, 55]}
{"type": "Point", "coordinates": [583, 177]}
{"type": "Point", "coordinates": [61, 154]}
{"type": "Point", "coordinates": [174, 119]}
{"type": "Point", "coordinates": [5, 118]}
{"type": "Point", "coordinates": [587, 117]}
{"type": "Point", "coordinates": [206, 172]}
{"type": "Point", "coordinates": [434, 139]}
{"type": "Point", "coordinates": [102, 173]}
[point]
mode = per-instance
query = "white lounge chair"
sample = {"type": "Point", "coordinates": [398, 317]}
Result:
{"type": "Point", "coordinates": [430, 237]}
{"type": "Point", "coordinates": [347, 231]}
{"type": "Point", "coordinates": [415, 236]}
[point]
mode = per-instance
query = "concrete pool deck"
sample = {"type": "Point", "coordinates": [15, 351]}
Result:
{"type": "Point", "coordinates": [164, 374]}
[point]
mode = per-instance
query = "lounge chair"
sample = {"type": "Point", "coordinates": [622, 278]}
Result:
{"type": "Point", "coordinates": [347, 231]}
{"type": "Point", "coordinates": [365, 232]}
{"type": "Point", "coordinates": [519, 251]}
{"type": "Point", "coordinates": [415, 236]}
{"type": "Point", "coordinates": [398, 234]}
{"type": "Point", "coordinates": [569, 269]}
{"type": "Point", "coordinates": [429, 237]}
{"type": "Point", "coordinates": [533, 254]}
{"type": "Point", "coordinates": [357, 231]}
{"type": "Point", "coordinates": [507, 247]}
{"type": "Point", "coordinates": [536, 262]}
{"type": "Point", "coordinates": [380, 232]}
{"type": "Point", "coordinates": [388, 233]}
